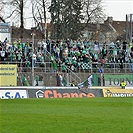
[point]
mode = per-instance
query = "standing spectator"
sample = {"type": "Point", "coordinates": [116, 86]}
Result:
{"type": "Point", "coordinates": [44, 47]}
{"type": "Point", "coordinates": [124, 45]}
{"type": "Point", "coordinates": [59, 63]}
{"type": "Point", "coordinates": [19, 57]}
{"type": "Point", "coordinates": [61, 51]}
{"type": "Point", "coordinates": [42, 59]}
{"type": "Point", "coordinates": [48, 45]}
{"type": "Point", "coordinates": [78, 44]}
{"type": "Point", "coordinates": [39, 54]}
{"type": "Point", "coordinates": [94, 64]}
{"type": "Point", "coordinates": [96, 47]}
{"type": "Point", "coordinates": [120, 61]}
{"type": "Point", "coordinates": [104, 52]}
{"type": "Point", "coordinates": [63, 67]}
{"type": "Point", "coordinates": [57, 53]}
{"type": "Point", "coordinates": [130, 64]}
{"type": "Point", "coordinates": [3, 54]}
{"type": "Point", "coordinates": [61, 79]}
{"type": "Point", "coordinates": [115, 53]}
{"type": "Point", "coordinates": [64, 81]}
{"type": "Point", "coordinates": [52, 58]}
{"type": "Point", "coordinates": [72, 83]}
{"type": "Point", "coordinates": [10, 54]}
{"type": "Point", "coordinates": [122, 84]}
{"type": "Point", "coordinates": [34, 59]}
{"type": "Point", "coordinates": [57, 78]}
{"type": "Point", "coordinates": [39, 46]}
{"type": "Point", "coordinates": [14, 56]}
{"type": "Point", "coordinates": [15, 45]}
{"type": "Point", "coordinates": [54, 48]}
{"type": "Point", "coordinates": [54, 66]}
{"type": "Point", "coordinates": [123, 55]}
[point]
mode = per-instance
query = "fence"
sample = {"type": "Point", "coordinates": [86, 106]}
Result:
{"type": "Point", "coordinates": [49, 78]}
{"type": "Point", "coordinates": [106, 67]}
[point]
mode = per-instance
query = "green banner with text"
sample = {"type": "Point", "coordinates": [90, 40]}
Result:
{"type": "Point", "coordinates": [115, 79]}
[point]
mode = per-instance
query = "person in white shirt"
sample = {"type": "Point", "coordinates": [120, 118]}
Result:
{"type": "Point", "coordinates": [34, 59]}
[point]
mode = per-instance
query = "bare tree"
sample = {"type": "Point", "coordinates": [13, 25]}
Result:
{"type": "Point", "coordinates": [1, 9]}
{"type": "Point", "coordinates": [93, 10]}
{"type": "Point", "coordinates": [2, 19]}
{"type": "Point", "coordinates": [39, 11]}
{"type": "Point", "coordinates": [17, 11]}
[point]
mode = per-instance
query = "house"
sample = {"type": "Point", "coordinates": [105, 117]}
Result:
{"type": "Point", "coordinates": [27, 34]}
{"type": "Point", "coordinates": [119, 27]}
{"type": "Point", "coordinates": [108, 31]}
{"type": "Point", "coordinates": [5, 30]}
{"type": "Point", "coordinates": [100, 32]}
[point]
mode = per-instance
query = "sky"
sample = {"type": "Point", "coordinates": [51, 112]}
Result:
{"type": "Point", "coordinates": [118, 8]}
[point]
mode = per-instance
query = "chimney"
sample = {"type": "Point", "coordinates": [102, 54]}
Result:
{"type": "Point", "coordinates": [109, 20]}
{"type": "Point", "coordinates": [98, 26]}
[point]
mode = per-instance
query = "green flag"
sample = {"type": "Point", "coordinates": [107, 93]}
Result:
{"type": "Point", "coordinates": [87, 83]}
{"type": "Point", "coordinates": [64, 82]}
{"type": "Point", "coordinates": [25, 81]}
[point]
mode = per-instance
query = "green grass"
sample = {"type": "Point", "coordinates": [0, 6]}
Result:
{"type": "Point", "coordinates": [77, 115]}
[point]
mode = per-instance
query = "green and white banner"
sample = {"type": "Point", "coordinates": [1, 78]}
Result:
{"type": "Point", "coordinates": [114, 79]}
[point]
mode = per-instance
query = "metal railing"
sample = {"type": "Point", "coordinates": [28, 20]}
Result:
{"type": "Point", "coordinates": [47, 70]}
{"type": "Point", "coordinates": [72, 76]}
{"type": "Point", "coordinates": [106, 67]}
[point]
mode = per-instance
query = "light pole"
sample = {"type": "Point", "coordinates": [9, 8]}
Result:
{"type": "Point", "coordinates": [32, 58]}
{"type": "Point", "coordinates": [45, 30]}
{"type": "Point", "coordinates": [129, 27]}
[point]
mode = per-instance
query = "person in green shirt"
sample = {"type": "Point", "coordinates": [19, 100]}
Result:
{"type": "Point", "coordinates": [78, 44]}
{"type": "Point", "coordinates": [63, 80]}
{"type": "Point", "coordinates": [19, 56]}
{"type": "Point", "coordinates": [37, 79]}
{"type": "Point", "coordinates": [15, 44]}
{"type": "Point", "coordinates": [78, 53]}
{"type": "Point", "coordinates": [14, 56]}
{"type": "Point", "coordinates": [52, 58]}
{"type": "Point", "coordinates": [59, 63]}
{"type": "Point", "coordinates": [54, 66]}
{"type": "Point", "coordinates": [19, 46]}
{"type": "Point", "coordinates": [22, 45]}
{"type": "Point", "coordinates": [63, 67]}
{"type": "Point", "coordinates": [10, 54]}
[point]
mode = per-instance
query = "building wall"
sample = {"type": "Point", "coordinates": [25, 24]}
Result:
{"type": "Point", "coordinates": [5, 31]}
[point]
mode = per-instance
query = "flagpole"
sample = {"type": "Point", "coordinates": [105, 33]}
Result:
{"type": "Point", "coordinates": [32, 58]}
{"type": "Point", "coordinates": [101, 79]}
{"type": "Point", "coordinates": [67, 79]}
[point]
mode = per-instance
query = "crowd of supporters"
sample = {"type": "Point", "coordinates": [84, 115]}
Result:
{"type": "Point", "coordinates": [79, 54]}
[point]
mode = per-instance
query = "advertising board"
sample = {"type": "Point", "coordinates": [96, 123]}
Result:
{"type": "Point", "coordinates": [8, 75]}
{"type": "Point", "coordinates": [64, 93]}
{"type": "Point", "coordinates": [12, 94]}
{"type": "Point", "coordinates": [48, 92]}
{"type": "Point", "coordinates": [117, 92]}
{"type": "Point", "coordinates": [114, 80]}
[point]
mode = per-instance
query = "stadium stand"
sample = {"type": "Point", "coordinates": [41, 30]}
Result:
{"type": "Point", "coordinates": [77, 56]}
